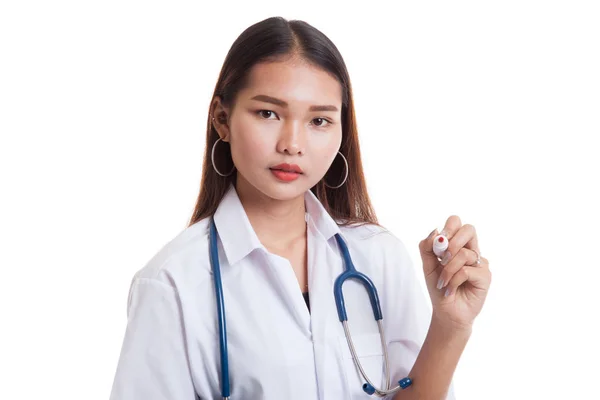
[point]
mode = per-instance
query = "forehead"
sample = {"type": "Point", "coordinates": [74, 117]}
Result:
{"type": "Point", "coordinates": [294, 82]}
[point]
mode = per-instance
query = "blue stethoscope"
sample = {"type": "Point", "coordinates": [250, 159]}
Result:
{"type": "Point", "coordinates": [349, 273]}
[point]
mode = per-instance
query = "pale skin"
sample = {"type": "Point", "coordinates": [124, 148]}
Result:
{"type": "Point", "coordinates": [262, 134]}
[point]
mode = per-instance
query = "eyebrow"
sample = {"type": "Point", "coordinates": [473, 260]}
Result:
{"type": "Point", "coordinates": [281, 103]}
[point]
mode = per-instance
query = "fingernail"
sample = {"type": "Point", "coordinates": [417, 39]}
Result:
{"type": "Point", "coordinates": [440, 283]}
{"type": "Point", "coordinates": [446, 257]}
{"type": "Point", "coordinates": [448, 292]}
{"type": "Point", "coordinates": [432, 233]}
{"type": "Point", "coordinates": [444, 233]}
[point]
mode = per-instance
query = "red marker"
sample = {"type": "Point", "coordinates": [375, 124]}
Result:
{"type": "Point", "coordinates": [440, 244]}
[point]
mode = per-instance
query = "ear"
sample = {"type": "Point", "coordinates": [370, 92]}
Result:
{"type": "Point", "coordinates": [221, 119]}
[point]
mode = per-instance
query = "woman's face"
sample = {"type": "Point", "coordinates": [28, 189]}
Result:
{"type": "Point", "coordinates": [290, 112]}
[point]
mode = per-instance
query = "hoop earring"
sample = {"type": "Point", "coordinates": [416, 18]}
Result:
{"type": "Point", "coordinates": [212, 159]}
{"type": "Point", "coordinates": [345, 177]}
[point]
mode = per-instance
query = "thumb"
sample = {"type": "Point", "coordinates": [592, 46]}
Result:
{"type": "Point", "coordinates": [426, 245]}
{"type": "Point", "coordinates": [430, 260]}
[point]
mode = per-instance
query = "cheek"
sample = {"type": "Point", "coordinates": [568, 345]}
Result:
{"type": "Point", "coordinates": [248, 144]}
{"type": "Point", "coordinates": [327, 148]}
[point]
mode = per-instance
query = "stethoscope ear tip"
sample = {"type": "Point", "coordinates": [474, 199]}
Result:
{"type": "Point", "coordinates": [402, 384]}
{"type": "Point", "coordinates": [405, 382]}
{"type": "Point", "coordinates": [368, 389]}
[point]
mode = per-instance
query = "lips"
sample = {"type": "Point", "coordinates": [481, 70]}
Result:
{"type": "Point", "coordinates": [287, 168]}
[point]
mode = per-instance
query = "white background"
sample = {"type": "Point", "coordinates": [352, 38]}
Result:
{"type": "Point", "coordinates": [486, 110]}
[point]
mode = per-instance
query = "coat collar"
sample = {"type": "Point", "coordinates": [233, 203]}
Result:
{"type": "Point", "coordinates": [239, 238]}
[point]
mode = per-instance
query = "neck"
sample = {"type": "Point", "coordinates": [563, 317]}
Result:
{"type": "Point", "coordinates": [277, 223]}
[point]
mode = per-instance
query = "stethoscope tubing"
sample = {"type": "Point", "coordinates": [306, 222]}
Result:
{"type": "Point", "coordinates": [214, 259]}
{"type": "Point", "coordinates": [350, 272]}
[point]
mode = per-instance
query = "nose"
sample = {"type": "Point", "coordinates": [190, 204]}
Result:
{"type": "Point", "coordinates": [292, 139]}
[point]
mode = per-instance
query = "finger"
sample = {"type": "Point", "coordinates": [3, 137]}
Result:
{"type": "Point", "coordinates": [466, 236]}
{"type": "Point", "coordinates": [426, 245]}
{"type": "Point", "coordinates": [465, 257]}
{"type": "Point", "coordinates": [479, 278]}
{"type": "Point", "coordinates": [452, 226]}
{"type": "Point", "coordinates": [430, 260]}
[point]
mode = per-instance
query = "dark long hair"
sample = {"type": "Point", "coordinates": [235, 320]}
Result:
{"type": "Point", "coordinates": [275, 39]}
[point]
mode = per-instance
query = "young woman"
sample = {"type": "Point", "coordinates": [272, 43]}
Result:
{"type": "Point", "coordinates": [284, 186]}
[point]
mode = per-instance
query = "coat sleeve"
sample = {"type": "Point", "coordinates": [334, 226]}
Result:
{"type": "Point", "coordinates": [410, 311]}
{"type": "Point", "coordinates": [153, 364]}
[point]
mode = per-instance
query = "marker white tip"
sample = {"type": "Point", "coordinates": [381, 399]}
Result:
{"type": "Point", "coordinates": [440, 244]}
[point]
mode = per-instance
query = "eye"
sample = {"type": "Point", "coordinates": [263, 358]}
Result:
{"type": "Point", "coordinates": [265, 114]}
{"type": "Point", "coordinates": [321, 122]}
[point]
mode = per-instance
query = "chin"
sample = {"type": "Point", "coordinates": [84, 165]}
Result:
{"type": "Point", "coordinates": [283, 191]}
{"type": "Point", "coordinates": [277, 190]}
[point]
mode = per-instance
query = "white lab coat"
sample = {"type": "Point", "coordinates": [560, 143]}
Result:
{"type": "Point", "coordinates": [277, 348]}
